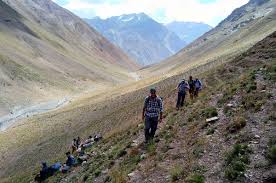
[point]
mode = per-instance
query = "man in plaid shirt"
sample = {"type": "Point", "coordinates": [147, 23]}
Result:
{"type": "Point", "coordinates": [153, 107]}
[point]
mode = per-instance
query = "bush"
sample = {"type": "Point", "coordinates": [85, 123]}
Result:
{"type": "Point", "coordinates": [177, 173]}
{"type": "Point", "coordinates": [236, 162]}
{"type": "Point", "coordinates": [251, 87]}
{"type": "Point", "coordinates": [209, 112]}
{"type": "Point", "coordinates": [253, 101]}
{"type": "Point", "coordinates": [271, 154]}
{"type": "Point", "coordinates": [195, 178]}
{"type": "Point", "coordinates": [151, 148]}
{"type": "Point", "coordinates": [237, 124]}
{"type": "Point", "coordinates": [118, 176]}
{"type": "Point", "coordinates": [210, 131]}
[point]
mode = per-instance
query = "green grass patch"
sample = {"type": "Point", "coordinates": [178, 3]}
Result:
{"type": "Point", "coordinates": [177, 173]}
{"type": "Point", "coordinates": [210, 131]}
{"type": "Point", "coordinates": [195, 178]}
{"type": "Point", "coordinates": [271, 152]}
{"type": "Point", "coordinates": [236, 162]}
{"type": "Point", "coordinates": [209, 112]}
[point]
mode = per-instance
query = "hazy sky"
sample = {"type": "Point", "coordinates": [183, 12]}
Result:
{"type": "Point", "coordinates": [207, 11]}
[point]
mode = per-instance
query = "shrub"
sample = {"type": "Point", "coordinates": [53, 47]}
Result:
{"type": "Point", "coordinates": [198, 151]}
{"type": "Point", "coordinates": [118, 177]}
{"type": "Point", "coordinates": [195, 178]}
{"type": "Point", "coordinates": [236, 162]}
{"type": "Point", "coordinates": [209, 112]}
{"type": "Point", "coordinates": [121, 153]}
{"type": "Point", "coordinates": [251, 87]}
{"type": "Point", "coordinates": [237, 124]}
{"type": "Point", "coordinates": [210, 131]}
{"type": "Point", "coordinates": [151, 148]}
{"type": "Point", "coordinates": [271, 154]}
{"type": "Point", "coordinates": [177, 173]}
{"type": "Point", "coordinates": [97, 173]}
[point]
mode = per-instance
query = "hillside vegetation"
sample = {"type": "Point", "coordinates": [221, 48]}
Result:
{"type": "Point", "coordinates": [239, 147]}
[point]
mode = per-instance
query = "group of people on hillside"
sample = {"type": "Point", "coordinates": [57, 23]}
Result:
{"type": "Point", "coordinates": [193, 86]}
{"type": "Point", "coordinates": [153, 105]}
{"type": "Point", "coordinates": [76, 156]}
{"type": "Point", "coordinates": [152, 114]}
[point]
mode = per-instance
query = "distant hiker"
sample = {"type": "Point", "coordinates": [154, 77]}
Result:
{"type": "Point", "coordinates": [70, 159]}
{"type": "Point", "coordinates": [74, 145]}
{"type": "Point", "coordinates": [182, 87]}
{"type": "Point", "coordinates": [153, 107]}
{"type": "Point", "coordinates": [198, 87]}
{"type": "Point", "coordinates": [78, 142]}
{"type": "Point", "coordinates": [47, 171]}
{"type": "Point", "coordinates": [192, 87]}
{"type": "Point", "coordinates": [97, 138]}
{"type": "Point", "coordinates": [89, 140]}
{"type": "Point", "coordinates": [81, 154]}
{"type": "Point", "coordinates": [44, 173]}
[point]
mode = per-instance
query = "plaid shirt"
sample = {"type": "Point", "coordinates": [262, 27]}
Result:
{"type": "Point", "coordinates": [153, 106]}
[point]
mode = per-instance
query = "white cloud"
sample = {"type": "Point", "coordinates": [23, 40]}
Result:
{"type": "Point", "coordinates": [161, 10]}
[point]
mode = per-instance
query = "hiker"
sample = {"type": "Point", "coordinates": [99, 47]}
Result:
{"type": "Point", "coordinates": [153, 107]}
{"type": "Point", "coordinates": [74, 145]}
{"type": "Point", "coordinates": [192, 87]}
{"type": "Point", "coordinates": [44, 173]}
{"type": "Point", "coordinates": [71, 161]}
{"type": "Point", "coordinates": [97, 138]}
{"type": "Point", "coordinates": [182, 87]}
{"type": "Point", "coordinates": [198, 87]}
{"type": "Point", "coordinates": [47, 171]}
{"type": "Point", "coordinates": [81, 154]}
{"type": "Point", "coordinates": [89, 140]}
{"type": "Point", "coordinates": [78, 142]}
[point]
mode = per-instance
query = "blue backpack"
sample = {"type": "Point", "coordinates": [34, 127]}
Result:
{"type": "Point", "coordinates": [182, 87]}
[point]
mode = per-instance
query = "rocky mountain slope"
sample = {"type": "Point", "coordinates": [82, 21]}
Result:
{"type": "Point", "coordinates": [238, 32]}
{"type": "Point", "coordinates": [47, 52]}
{"type": "Point", "coordinates": [238, 146]}
{"type": "Point", "coordinates": [188, 31]}
{"type": "Point", "coordinates": [141, 37]}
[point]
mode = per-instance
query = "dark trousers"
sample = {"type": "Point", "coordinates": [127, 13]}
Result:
{"type": "Point", "coordinates": [150, 127]}
{"type": "Point", "coordinates": [196, 92]}
{"type": "Point", "coordinates": [180, 99]}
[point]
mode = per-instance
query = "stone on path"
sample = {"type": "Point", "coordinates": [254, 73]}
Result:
{"type": "Point", "coordinates": [213, 119]}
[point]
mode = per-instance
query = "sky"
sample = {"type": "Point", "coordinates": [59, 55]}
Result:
{"type": "Point", "coordinates": [163, 11]}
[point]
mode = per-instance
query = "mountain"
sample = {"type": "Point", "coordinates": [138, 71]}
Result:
{"type": "Point", "coordinates": [141, 37]}
{"type": "Point", "coordinates": [46, 52]}
{"type": "Point", "coordinates": [188, 31]}
{"type": "Point", "coordinates": [244, 27]}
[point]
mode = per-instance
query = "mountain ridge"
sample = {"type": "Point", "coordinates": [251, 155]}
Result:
{"type": "Point", "coordinates": [48, 52]}
{"type": "Point", "coordinates": [188, 31]}
{"type": "Point", "coordinates": [141, 37]}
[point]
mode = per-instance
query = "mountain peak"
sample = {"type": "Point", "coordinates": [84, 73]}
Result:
{"type": "Point", "coordinates": [132, 17]}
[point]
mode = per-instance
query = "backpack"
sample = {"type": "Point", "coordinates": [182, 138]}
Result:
{"type": "Point", "coordinates": [182, 87]}
{"type": "Point", "coordinates": [198, 83]}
